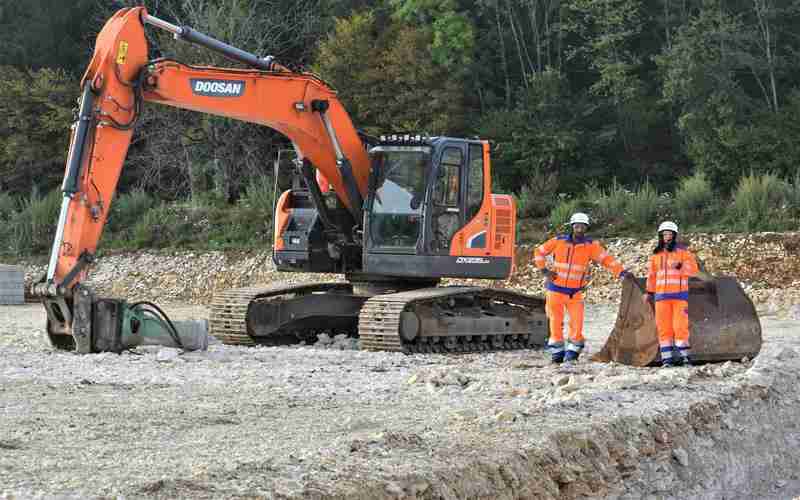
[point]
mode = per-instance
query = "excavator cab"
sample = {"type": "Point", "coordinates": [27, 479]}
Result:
{"type": "Point", "coordinates": [431, 213]}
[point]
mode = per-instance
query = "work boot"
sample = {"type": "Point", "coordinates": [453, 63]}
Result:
{"type": "Point", "coordinates": [667, 363]}
{"type": "Point", "coordinates": [571, 356]}
{"type": "Point", "coordinates": [557, 358]}
{"type": "Point", "coordinates": [680, 359]}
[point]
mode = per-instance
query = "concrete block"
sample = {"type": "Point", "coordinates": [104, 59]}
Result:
{"type": "Point", "coordinates": [12, 285]}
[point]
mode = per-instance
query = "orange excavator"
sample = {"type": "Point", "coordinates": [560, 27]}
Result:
{"type": "Point", "coordinates": [394, 215]}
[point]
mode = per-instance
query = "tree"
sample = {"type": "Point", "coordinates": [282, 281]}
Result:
{"type": "Point", "coordinates": [541, 135]}
{"type": "Point", "coordinates": [723, 75]}
{"type": "Point", "coordinates": [387, 78]}
{"type": "Point", "coordinates": [177, 152]}
{"type": "Point", "coordinates": [42, 33]}
{"type": "Point", "coordinates": [34, 136]}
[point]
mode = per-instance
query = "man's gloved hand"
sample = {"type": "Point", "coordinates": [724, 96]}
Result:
{"type": "Point", "coordinates": [648, 299]}
{"type": "Point", "coordinates": [548, 274]}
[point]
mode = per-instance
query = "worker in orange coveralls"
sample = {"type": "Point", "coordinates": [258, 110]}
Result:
{"type": "Point", "coordinates": [572, 254]}
{"type": "Point", "coordinates": [671, 266]}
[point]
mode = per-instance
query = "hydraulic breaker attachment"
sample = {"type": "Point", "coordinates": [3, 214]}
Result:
{"type": "Point", "coordinates": [86, 324]}
{"type": "Point", "coordinates": [723, 325]}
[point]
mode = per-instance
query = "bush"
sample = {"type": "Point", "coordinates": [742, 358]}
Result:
{"type": "Point", "coordinates": [258, 196]}
{"type": "Point", "coordinates": [128, 209]}
{"type": "Point", "coordinates": [693, 198]}
{"type": "Point", "coordinates": [642, 207]}
{"type": "Point", "coordinates": [793, 195]}
{"type": "Point", "coordinates": [7, 206]}
{"type": "Point", "coordinates": [33, 228]}
{"type": "Point", "coordinates": [559, 216]}
{"type": "Point", "coordinates": [537, 198]}
{"type": "Point", "coordinates": [608, 204]}
{"type": "Point", "coordinates": [758, 202]}
{"type": "Point", "coordinates": [171, 226]}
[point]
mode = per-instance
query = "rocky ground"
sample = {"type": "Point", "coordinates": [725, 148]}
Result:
{"type": "Point", "coordinates": [767, 265]}
{"type": "Point", "coordinates": [309, 423]}
{"type": "Point", "coordinates": [305, 422]}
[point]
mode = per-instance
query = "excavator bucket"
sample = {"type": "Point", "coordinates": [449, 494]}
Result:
{"type": "Point", "coordinates": [723, 325]}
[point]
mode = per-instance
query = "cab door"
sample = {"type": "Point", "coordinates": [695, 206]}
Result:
{"type": "Point", "coordinates": [446, 208]}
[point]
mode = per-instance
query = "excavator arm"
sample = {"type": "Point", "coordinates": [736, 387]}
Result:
{"type": "Point", "coordinates": [117, 83]}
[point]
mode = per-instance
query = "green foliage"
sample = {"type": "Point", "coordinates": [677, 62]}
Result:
{"type": "Point", "coordinates": [693, 197]}
{"type": "Point", "coordinates": [538, 197]}
{"type": "Point", "coordinates": [642, 207]}
{"type": "Point", "coordinates": [758, 202]}
{"type": "Point", "coordinates": [31, 229]}
{"type": "Point", "coordinates": [793, 194]}
{"type": "Point", "coordinates": [37, 111]}
{"type": "Point", "coordinates": [453, 32]}
{"type": "Point", "coordinates": [8, 206]}
{"type": "Point", "coordinates": [37, 33]}
{"type": "Point", "coordinates": [387, 79]}
{"type": "Point", "coordinates": [608, 204]}
{"type": "Point", "coordinates": [128, 209]}
{"type": "Point", "coordinates": [559, 216]}
{"type": "Point", "coordinates": [259, 196]}
{"type": "Point", "coordinates": [540, 136]}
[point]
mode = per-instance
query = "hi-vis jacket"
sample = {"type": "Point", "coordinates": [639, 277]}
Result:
{"type": "Point", "coordinates": [572, 259]}
{"type": "Point", "coordinates": [669, 272]}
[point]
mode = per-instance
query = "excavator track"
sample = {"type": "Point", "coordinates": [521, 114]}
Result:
{"type": "Point", "coordinates": [228, 315]}
{"type": "Point", "coordinates": [382, 322]}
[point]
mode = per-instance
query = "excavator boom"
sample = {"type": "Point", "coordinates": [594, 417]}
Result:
{"type": "Point", "coordinates": [116, 84]}
{"type": "Point", "coordinates": [395, 219]}
{"type": "Point", "coordinates": [120, 79]}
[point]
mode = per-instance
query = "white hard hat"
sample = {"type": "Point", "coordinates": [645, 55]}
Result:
{"type": "Point", "coordinates": [668, 226]}
{"type": "Point", "coordinates": [579, 218]}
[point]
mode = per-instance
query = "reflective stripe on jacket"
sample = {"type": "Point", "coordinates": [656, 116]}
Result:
{"type": "Point", "coordinates": [572, 259]}
{"type": "Point", "coordinates": [666, 282]}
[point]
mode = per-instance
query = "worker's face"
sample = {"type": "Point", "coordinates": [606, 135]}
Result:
{"type": "Point", "coordinates": [667, 236]}
{"type": "Point", "coordinates": [579, 229]}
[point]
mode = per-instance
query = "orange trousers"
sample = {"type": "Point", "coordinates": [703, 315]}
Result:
{"type": "Point", "coordinates": [557, 304]}
{"type": "Point", "coordinates": [672, 322]}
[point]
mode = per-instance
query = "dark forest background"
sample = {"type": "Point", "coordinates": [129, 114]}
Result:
{"type": "Point", "coordinates": [633, 110]}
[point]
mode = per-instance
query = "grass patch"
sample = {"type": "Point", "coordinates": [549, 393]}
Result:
{"type": "Point", "coordinates": [537, 197]}
{"type": "Point", "coordinates": [693, 198]}
{"type": "Point", "coordinates": [759, 203]}
{"type": "Point", "coordinates": [642, 207]}
{"type": "Point", "coordinates": [32, 228]}
{"type": "Point", "coordinates": [608, 204]}
{"type": "Point", "coordinates": [559, 216]}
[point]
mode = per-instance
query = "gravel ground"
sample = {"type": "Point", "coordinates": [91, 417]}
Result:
{"type": "Point", "coordinates": [318, 423]}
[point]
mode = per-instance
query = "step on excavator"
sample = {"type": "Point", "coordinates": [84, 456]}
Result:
{"type": "Point", "coordinates": [394, 214]}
